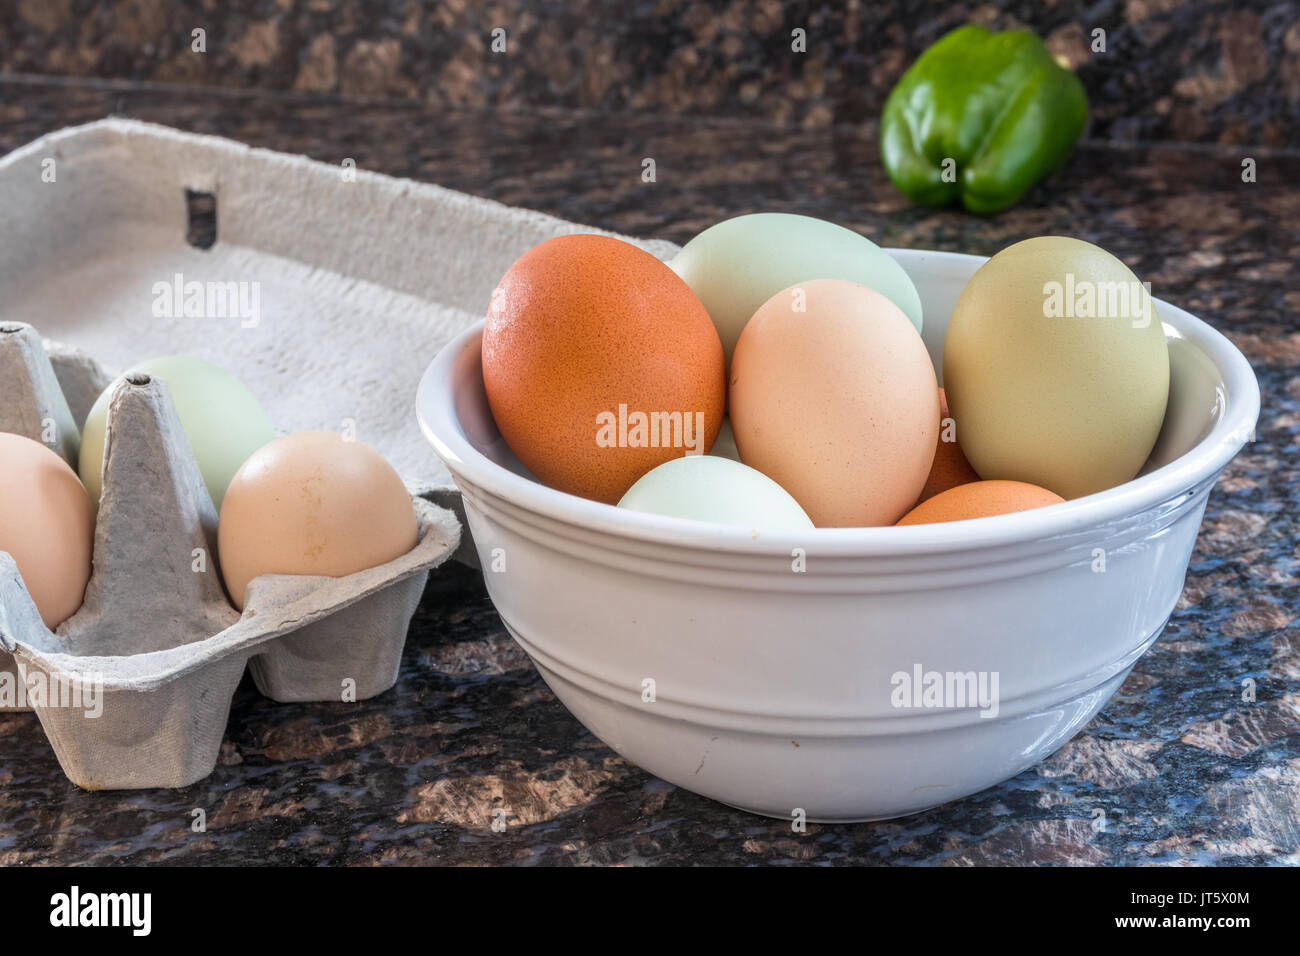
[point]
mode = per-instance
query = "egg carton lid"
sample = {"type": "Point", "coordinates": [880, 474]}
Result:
{"type": "Point", "coordinates": [327, 291]}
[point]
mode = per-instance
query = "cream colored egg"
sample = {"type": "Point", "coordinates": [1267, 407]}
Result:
{"type": "Point", "coordinates": [834, 398]}
{"type": "Point", "coordinates": [47, 525]}
{"type": "Point", "coordinates": [312, 503]}
{"type": "Point", "coordinates": [1055, 368]}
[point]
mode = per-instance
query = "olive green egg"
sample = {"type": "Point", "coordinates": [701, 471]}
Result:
{"type": "Point", "coordinates": [1055, 367]}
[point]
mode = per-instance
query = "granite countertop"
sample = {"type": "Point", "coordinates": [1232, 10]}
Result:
{"type": "Point", "coordinates": [1185, 770]}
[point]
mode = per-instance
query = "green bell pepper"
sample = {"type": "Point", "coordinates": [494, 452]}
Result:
{"type": "Point", "coordinates": [980, 117]}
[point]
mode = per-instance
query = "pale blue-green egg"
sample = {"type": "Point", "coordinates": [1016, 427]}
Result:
{"type": "Point", "coordinates": [709, 488]}
{"type": "Point", "coordinates": [737, 265]}
{"type": "Point", "coordinates": [222, 419]}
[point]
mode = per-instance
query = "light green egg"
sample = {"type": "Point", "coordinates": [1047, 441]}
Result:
{"type": "Point", "coordinates": [222, 419]}
{"type": "Point", "coordinates": [708, 488]}
{"type": "Point", "coordinates": [737, 265]}
{"type": "Point", "coordinates": [1055, 368]}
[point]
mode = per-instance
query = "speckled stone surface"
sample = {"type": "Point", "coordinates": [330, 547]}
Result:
{"type": "Point", "coordinates": [1184, 769]}
{"type": "Point", "coordinates": [1190, 70]}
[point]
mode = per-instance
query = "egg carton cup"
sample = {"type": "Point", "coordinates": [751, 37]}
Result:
{"type": "Point", "coordinates": [156, 638]}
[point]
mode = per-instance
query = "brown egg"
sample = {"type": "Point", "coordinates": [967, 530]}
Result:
{"type": "Point", "coordinates": [47, 524]}
{"type": "Point", "coordinates": [600, 364]}
{"type": "Point", "coordinates": [950, 467]}
{"type": "Point", "coordinates": [980, 499]}
{"type": "Point", "coordinates": [312, 503]}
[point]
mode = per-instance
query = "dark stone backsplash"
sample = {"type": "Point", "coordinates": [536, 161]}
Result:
{"type": "Point", "coordinates": [1186, 70]}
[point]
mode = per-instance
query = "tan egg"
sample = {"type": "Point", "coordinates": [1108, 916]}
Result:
{"type": "Point", "coordinates": [834, 398]}
{"type": "Point", "coordinates": [47, 524]}
{"type": "Point", "coordinates": [312, 503]}
{"type": "Point", "coordinates": [1056, 368]}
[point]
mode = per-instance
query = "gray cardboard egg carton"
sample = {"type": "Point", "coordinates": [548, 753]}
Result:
{"type": "Point", "coordinates": [156, 636]}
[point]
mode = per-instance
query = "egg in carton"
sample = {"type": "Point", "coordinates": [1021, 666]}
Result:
{"type": "Point", "coordinates": [156, 638]}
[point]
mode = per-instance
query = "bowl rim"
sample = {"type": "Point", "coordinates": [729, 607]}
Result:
{"type": "Point", "coordinates": [435, 410]}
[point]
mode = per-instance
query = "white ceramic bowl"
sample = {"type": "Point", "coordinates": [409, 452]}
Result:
{"type": "Point", "coordinates": [776, 690]}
